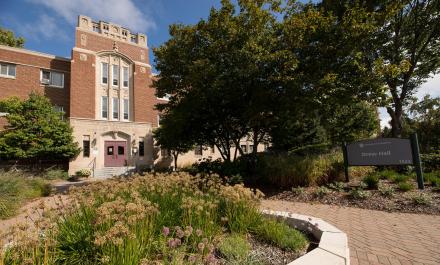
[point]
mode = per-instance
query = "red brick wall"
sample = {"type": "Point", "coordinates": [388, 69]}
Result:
{"type": "Point", "coordinates": [82, 94]}
{"type": "Point", "coordinates": [27, 79]}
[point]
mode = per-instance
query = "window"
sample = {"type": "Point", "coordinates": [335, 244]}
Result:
{"type": "Point", "coordinates": [133, 39]}
{"type": "Point", "coordinates": [198, 151]}
{"type": "Point", "coordinates": [86, 146]}
{"type": "Point", "coordinates": [96, 28]}
{"type": "Point", "coordinates": [164, 152]}
{"type": "Point", "coordinates": [121, 150]}
{"type": "Point", "coordinates": [125, 74]}
{"type": "Point", "coordinates": [52, 78]}
{"type": "Point", "coordinates": [105, 27]}
{"type": "Point", "coordinates": [115, 75]}
{"type": "Point", "coordinates": [141, 148]}
{"type": "Point", "coordinates": [110, 150]}
{"type": "Point", "coordinates": [7, 70]}
{"type": "Point", "coordinates": [159, 117]}
{"type": "Point", "coordinates": [104, 73]}
{"type": "Point", "coordinates": [60, 110]}
{"type": "Point", "coordinates": [166, 97]}
{"type": "Point", "coordinates": [104, 107]}
{"type": "Point", "coordinates": [251, 148]}
{"type": "Point", "coordinates": [115, 108]}
{"type": "Point", "coordinates": [126, 109]}
{"type": "Point", "coordinates": [244, 148]}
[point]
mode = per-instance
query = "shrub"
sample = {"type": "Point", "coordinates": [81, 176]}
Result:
{"type": "Point", "coordinates": [85, 172]}
{"type": "Point", "coordinates": [401, 178]}
{"type": "Point", "coordinates": [433, 178]}
{"type": "Point", "coordinates": [421, 199]}
{"type": "Point", "coordinates": [359, 194]}
{"type": "Point", "coordinates": [322, 191]}
{"type": "Point", "coordinates": [337, 186]}
{"type": "Point", "coordinates": [235, 248]}
{"type": "Point", "coordinates": [298, 191]}
{"type": "Point", "coordinates": [431, 161]}
{"type": "Point", "coordinates": [405, 186]}
{"type": "Point", "coordinates": [387, 174]}
{"type": "Point", "coordinates": [280, 234]}
{"type": "Point", "coordinates": [386, 191]}
{"type": "Point", "coordinates": [372, 181]}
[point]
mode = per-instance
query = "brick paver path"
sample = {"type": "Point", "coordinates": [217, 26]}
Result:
{"type": "Point", "coordinates": [376, 237]}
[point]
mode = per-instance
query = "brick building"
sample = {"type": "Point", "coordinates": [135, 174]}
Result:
{"type": "Point", "coordinates": [105, 91]}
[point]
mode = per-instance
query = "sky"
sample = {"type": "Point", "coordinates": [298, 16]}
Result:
{"type": "Point", "coordinates": [49, 25]}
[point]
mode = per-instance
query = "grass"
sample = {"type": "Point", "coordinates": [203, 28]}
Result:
{"type": "Point", "coordinates": [405, 186]}
{"type": "Point", "coordinates": [156, 219]}
{"type": "Point", "coordinates": [16, 188]}
{"type": "Point", "coordinates": [372, 181]}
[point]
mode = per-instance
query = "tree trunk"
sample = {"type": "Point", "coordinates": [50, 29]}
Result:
{"type": "Point", "coordinates": [396, 119]}
{"type": "Point", "coordinates": [175, 156]}
{"type": "Point", "coordinates": [256, 141]}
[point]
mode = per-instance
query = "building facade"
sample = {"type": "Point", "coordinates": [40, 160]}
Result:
{"type": "Point", "coordinates": [105, 92]}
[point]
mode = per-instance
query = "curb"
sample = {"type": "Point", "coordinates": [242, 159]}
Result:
{"type": "Point", "coordinates": [333, 243]}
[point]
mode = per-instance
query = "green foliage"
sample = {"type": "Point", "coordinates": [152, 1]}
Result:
{"type": "Point", "coordinates": [85, 172]}
{"type": "Point", "coordinates": [52, 174]}
{"type": "Point", "coordinates": [281, 235]}
{"type": "Point", "coordinates": [337, 186]}
{"type": "Point", "coordinates": [387, 174]}
{"type": "Point", "coordinates": [405, 186]}
{"type": "Point", "coordinates": [16, 188]}
{"type": "Point", "coordinates": [422, 199]}
{"type": "Point", "coordinates": [298, 191]}
{"type": "Point", "coordinates": [8, 38]}
{"type": "Point", "coordinates": [35, 131]}
{"type": "Point", "coordinates": [372, 181]}
{"type": "Point", "coordinates": [322, 191]}
{"type": "Point", "coordinates": [398, 178]}
{"type": "Point", "coordinates": [431, 161]}
{"type": "Point", "coordinates": [387, 192]}
{"type": "Point", "coordinates": [235, 248]}
{"type": "Point", "coordinates": [359, 194]}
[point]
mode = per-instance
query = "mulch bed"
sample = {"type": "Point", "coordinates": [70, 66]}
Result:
{"type": "Point", "coordinates": [400, 201]}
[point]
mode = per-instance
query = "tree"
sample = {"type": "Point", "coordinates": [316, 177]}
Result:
{"type": "Point", "coordinates": [219, 72]}
{"type": "Point", "coordinates": [35, 131]}
{"type": "Point", "coordinates": [408, 52]}
{"type": "Point", "coordinates": [174, 135]}
{"type": "Point", "coordinates": [8, 38]}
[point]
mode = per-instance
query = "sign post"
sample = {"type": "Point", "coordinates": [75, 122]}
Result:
{"type": "Point", "coordinates": [384, 152]}
{"type": "Point", "coordinates": [417, 161]}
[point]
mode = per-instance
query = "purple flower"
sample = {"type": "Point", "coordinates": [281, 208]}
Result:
{"type": "Point", "coordinates": [165, 231]}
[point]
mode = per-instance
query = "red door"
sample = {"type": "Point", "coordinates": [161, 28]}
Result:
{"type": "Point", "coordinates": [115, 153]}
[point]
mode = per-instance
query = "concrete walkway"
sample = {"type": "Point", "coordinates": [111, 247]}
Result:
{"type": "Point", "coordinates": [377, 237]}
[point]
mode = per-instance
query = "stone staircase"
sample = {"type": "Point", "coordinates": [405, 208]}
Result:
{"type": "Point", "coordinates": [108, 172]}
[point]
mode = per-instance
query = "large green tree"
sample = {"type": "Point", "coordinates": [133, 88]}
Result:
{"type": "Point", "coordinates": [35, 131]}
{"type": "Point", "coordinates": [8, 38]}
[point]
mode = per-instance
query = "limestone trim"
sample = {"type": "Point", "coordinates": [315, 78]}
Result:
{"type": "Point", "coordinates": [22, 50]}
{"type": "Point", "coordinates": [31, 65]}
{"type": "Point", "coordinates": [107, 37]}
{"type": "Point", "coordinates": [333, 243]}
{"type": "Point", "coordinates": [112, 51]}
{"type": "Point", "coordinates": [110, 121]}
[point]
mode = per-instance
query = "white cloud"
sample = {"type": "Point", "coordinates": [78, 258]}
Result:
{"type": "Point", "coordinates": [431, 87]}
{"type": "Point", "coordinates": [122, 12]}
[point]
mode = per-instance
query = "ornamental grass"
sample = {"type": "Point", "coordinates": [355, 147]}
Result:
{"type": "Point", "coordinates": [155, 219]}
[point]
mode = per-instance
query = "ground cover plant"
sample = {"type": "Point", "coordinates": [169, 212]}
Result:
{"type": "Point", "coordinates": [154, 219]}
{"type": "Point", "coordinates": [19, 187]}
{"type": "Point", "coordinates": [386, 190]}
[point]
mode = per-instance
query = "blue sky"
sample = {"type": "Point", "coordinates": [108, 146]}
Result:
{"type": "Point", "coordinates": [48, 25]}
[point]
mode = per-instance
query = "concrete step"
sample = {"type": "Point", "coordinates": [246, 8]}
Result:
{"type": "Point", "coordinates": [108, 172]}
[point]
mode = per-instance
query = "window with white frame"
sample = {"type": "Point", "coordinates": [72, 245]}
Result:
{"type": "Point", "coordinates": [126, 108]}
{"type": "Point", "coordinates": [104, 107]}
{"type": "Point", "coordinates": [115, 76]}
{"type": "Point", "coordinates": [198, 150]}
{"type": "Point", "coordinates": [115, 108]}
{"type": "Point", "coordinates": [104, 73]}
{"type": "Point", "coordinates": [125, 76]}
{"type": "Point", "coordinates": [7, 70]}
{"type": "Point", "coordinates": [60, 110]}
{"type": "Point", "coordinates": [51, 78]}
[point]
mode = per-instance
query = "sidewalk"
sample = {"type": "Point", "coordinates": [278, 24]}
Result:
{"type": "Point", "coordinates": [377, 237]}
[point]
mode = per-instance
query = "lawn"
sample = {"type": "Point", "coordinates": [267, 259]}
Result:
{"type": "Point", "coordinates": [155, 219]}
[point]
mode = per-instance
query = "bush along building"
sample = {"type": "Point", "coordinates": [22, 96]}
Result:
{"type": "Point", "coordinates": [105, 92]}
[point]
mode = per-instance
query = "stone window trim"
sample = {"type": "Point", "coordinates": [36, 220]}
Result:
{"type": "Point", "coordinates": [8, 70]}
{"type": "Point", "coordinates": [47, 78]}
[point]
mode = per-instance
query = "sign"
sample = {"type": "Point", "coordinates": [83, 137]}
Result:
{"type": "Point", "coordinates": [384, 152]}
{"type": "Point", "coordinates": [380, 152]}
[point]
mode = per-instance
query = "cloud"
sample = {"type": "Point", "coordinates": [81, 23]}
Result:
{"type": "Point", "coordinates": [44, 27]}
{"type": "Point", "coordinates": [122, 12]}
{"type": "Point", "coordinates": [431, 87]}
